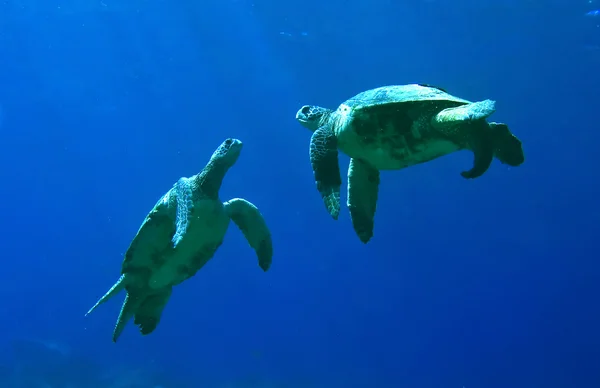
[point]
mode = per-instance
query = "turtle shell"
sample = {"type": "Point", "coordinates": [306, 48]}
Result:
{"type": "Point", "coordinates": [402, 94]}
{"type": "Point", "coordinates": [152, 244]}
{"type": "Point", "coordinates": [392, 110]}
{"type": "Point", "coordinates": [153, 261]}
{"type": "Point", "coordinates": [390, 126]}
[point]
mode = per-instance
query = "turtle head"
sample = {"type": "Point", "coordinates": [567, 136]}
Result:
{"type": "Point", "coordinates": [210, 178]}
{"type": "Point", "coordinates": [227, 153]}
{"type": "Point", "coordinates": [312, 117]}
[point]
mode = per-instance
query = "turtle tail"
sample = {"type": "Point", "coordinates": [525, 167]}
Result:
{"type": "Point", "coordinates": [507, 147]}
{"type": "Point", "coordinates": [183, 194]}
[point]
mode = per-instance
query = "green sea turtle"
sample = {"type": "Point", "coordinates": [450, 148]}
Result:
{"type": "Point", "coordinates": [393, 127]}
{"type": "Point", "coordinates": [181, 234]}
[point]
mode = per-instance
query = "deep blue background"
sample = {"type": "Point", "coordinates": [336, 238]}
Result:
{"type": "Point", "coordinates": [492, 282]}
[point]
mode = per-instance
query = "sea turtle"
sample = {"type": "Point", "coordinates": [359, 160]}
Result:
{"type": "Point", "coordinates": [181, 234]}
{"type": "Point", "coordinates": [393, 127]}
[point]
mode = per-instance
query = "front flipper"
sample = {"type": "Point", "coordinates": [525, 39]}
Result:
{"type": "Point", "coordinates": [363, 188]}
{"type": "Point", "coordinates": [465, 125]}
{"type": "Point", "coordinates": [150, 310]}
{"type": "Point", "coordinates": [324, 161]}
{"type": "Point", "coordinates": [248, 218]}
{"type": "Point", "coordinates": [183, 194]}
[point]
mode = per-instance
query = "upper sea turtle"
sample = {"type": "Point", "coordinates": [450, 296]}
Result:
{"type": "Point", "coordinates": [181, 234]}
{"type": "Point", "coordinates": [393, 127]}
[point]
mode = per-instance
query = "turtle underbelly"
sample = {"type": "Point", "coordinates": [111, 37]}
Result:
{"type": "Point", "coordinates": [205, 233]}
{"type": "Point", "coordinates": [396, 153]}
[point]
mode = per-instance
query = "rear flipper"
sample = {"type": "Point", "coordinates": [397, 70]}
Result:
{"type": "Point", "coordinates": [127, 310]}
{"type": "Point", "coordinates": [507, 147]}
{"type": "Point", "coordinates": [464, 113]}
{"type": "Point", "coordinates": [466, 126]}
{"type": "Point", "coordinates": [248, 218]}
{"type": "Point", "coordinates": [149, 312]}
{"type": "Point", "coordinates": [481, 143]}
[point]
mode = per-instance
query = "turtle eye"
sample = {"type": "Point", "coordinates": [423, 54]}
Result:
{"type": "Point", "coordinates": [306, 110]}
{"type": "Point", "coordinates": [228, 142]}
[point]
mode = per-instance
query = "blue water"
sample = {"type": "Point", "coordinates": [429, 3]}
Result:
{"type": "Point", "coordinates": [486, 283]}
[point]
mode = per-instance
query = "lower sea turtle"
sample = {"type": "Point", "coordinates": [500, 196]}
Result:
{"type": "Point", "coordinates": [393, 127]}
{"type": "Point", "coordinates": [181, 234]}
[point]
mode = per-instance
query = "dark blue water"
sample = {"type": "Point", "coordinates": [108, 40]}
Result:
{"type": "Point", "coordinates": [492, 282]}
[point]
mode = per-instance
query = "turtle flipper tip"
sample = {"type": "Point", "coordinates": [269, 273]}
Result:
{"type": "Point", "coordinates": [466, 175]}
{"type": "Point", "coordinates": [265, 254]}
{"type": "Point", "coordinates": [335, 213]}
{"type": "Point", "coordinates": [471, 174]}
{"type": "Point", "coordinates": [332, 203]}
{"type": "Point", "coordinates": [365, 238]}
